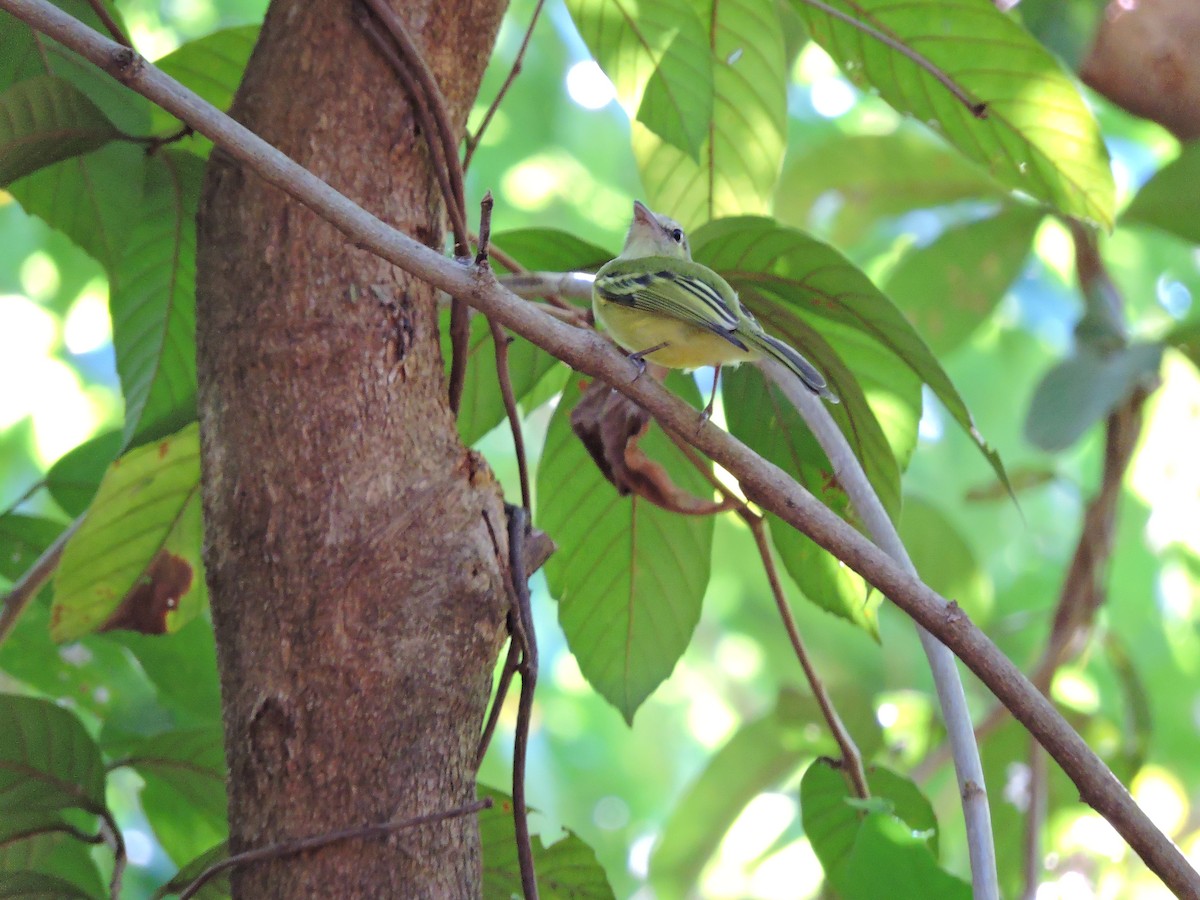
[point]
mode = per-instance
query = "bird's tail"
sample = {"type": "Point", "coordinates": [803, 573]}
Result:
{"type": "Point", "coordinates": [792, 361]}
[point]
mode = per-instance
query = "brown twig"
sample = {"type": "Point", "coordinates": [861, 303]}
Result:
{"type": "Point", "coordinates": [589, 353]}
{"type": "Point", "coordinates": [851, 757]}
{"type": "Point", "coordinates": [511, 663]}
{"type": "Point", "coordinates": [553, 298]}
{"type": "Point", "coordinates": [978, 110]}
{"type": "Point", "coordinates": [109, 23]}
{"type": "Point", "coordinates": [112, 836]}
{"type": "Point", "coordinates": [300, 845]}
{"type": "Point", "coordinates": [517, 531]}
{"type": "Point", "coordinates": [27, 586]}
{"type": "Point", "coordinates": [483, 243]}
{"type": "Point", "coordinates": [473, 140]}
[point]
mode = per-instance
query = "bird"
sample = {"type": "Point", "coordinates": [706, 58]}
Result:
{"type": "Point", "coordinates": [662, 307]}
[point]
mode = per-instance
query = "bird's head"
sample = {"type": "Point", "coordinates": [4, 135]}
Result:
{"type": "Point", "coordinates": [653, 235]}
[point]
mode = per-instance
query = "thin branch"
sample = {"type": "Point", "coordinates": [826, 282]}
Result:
{"type": "Point", "coordinates": [473, 140]}
{"type": "Point", "coordinates": [1035, 818]}
{"type": "Point", "coordinates": [27, 586]}
{"type": "Point", "coordinates": [532, 285]}
{"type": "Point", "coordinates": [955, 713]}
{"type": "Point", "coordinates": [589, 353]}
{"type": "Point", "coordinates": [113, 837]}
{"type": "Point", "coordinates": [316, 842]}
{"type": "Point", "coordinates": [978, 110]}
{"type": "Point", "coordinates": [851, 759]}
{"type": "Point", "coordinates": [511, 663]}
{"type": "Point", "coordinates": [517, 531]}
{"type": "Point", "coordinates": [109, 23]}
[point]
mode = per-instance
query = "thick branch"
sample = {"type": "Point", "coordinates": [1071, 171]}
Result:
{"type": "Point", "coordinates": [766, 484]}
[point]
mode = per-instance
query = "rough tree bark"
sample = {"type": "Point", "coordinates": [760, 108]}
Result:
{"type": "Point", "coordinates": [354, 547]}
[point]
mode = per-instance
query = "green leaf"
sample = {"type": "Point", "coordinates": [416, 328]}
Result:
{"type": "Point", "coordinates": [48, 761]}
{"type": "Point", "coordinates": [740, 159]}
{"type": "Point", "coordinates": [135, 561]}
{"type": "Point", "coordinates": [1039, 136]}
{"type": "Point", "coordinates": [1168, 200]}
{"type": "Point", "coordinates": [216, 888]}
{"type": "Point", "coordinates": [949, 287]}
{"type": "Point", "coordinates": [550, 249]}
{"type": "Point", "coordinates": [44, 120]}
{"type": "Point", "coordinates": [945, 560]}
{"type": "Point", "coordinates": [1082, 389]}
{"type": "Point", "coordinates": [154, 302]}
{"type": "Point", "coordinates": [846, 842]}
{"type": "Point", "coordinates": [43, 842]}
{"type": "Point", "coordinates": [91, 199]}
{"type": "Point", "coordinates": [184, 793]}
{"type": "Point", "coordinates": [658, 58]}
{"type": "Point", "coordinates": [212, 66]}
{"type": "Point", "coordinates": [25, 53]}
{"type": "Point", "coordinates": [22, 540]}
{"type": "Point", "coordinates": [849, 182]}
{"type": "Point", "coordinates": [889, 860]}
{"type": "Point", "coordinates": [761, 415]}
{"type": "Point", "coordinates": [770, 262]}
{"type": "Point", "coordinates": [758, 756]}
{"type": "Point", "coordinates": [75, 476]}
{"type": "Point", "coordinates": [40, 886]}
{"type": "Point", "coordinates": [629, 576]}
{"type": "Point", "coordinates": [566, 869]}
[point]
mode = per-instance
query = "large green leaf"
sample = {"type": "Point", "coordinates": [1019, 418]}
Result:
{"type": "Point", "coordinates": [891, 851]}
{"type": "Point", "coordinates": [135, 561]}
{"type": "Point", "coordinates": [629, 576]}
{"type": "Point", "coordinates": [184, 793]}
{"type": "Point", "coordinates": [949, 287]}
{"type": "Point", "coordinates": [740, 159]}
{"type": "Point", "coordinates": [767, 261]}
{"type": "Point", "coordinates": [1169, 200]}
{"type": "Point", "coordinates": [44, 120]}
{"type": "Point", "coordinates": [93, 198]}
{"type": "Point", "coordinates": [757, 757]}
{"type": "Point", "coordinates": [566, 869]}
{"type": "Point", "coordinates": [42, 842]}
{"type": "Point", "coordinates": [657, 56]}
{"type": "Point", "coordinates": [1039, 136]}
{"type": "Point", "coordinates": [25, 885]}
{"type": "Point", "coordinates": [154, 302]}
{"type": "Point", "coordinates": [48, 761]}
{"type": "Point", "coordinates": [843, 186]}
{"type": "Point", "coordinates": [760, 415]}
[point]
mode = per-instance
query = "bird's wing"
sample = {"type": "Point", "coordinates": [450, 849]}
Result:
{"type": "Point", "coordinates": [677, 295]}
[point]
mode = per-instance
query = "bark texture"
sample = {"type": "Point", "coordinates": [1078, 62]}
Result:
{"type": "Point", "coordinates": [354, 547]}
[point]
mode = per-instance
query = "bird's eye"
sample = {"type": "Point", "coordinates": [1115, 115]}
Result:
{"type": "Point", "coordinates": [677, 235]}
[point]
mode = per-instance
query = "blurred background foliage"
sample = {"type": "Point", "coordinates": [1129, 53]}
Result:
{"type": "Point", "coordinates": [692, 797]}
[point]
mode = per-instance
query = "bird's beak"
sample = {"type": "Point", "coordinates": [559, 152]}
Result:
{"type": "Point", "coordinates": [641, 213]}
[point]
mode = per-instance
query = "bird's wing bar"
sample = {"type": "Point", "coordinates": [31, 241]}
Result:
{"type": "Point", "coordinates": [672, 294]}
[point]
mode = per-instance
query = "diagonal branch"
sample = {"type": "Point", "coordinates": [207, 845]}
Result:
{"type": "Point", "coordinates": [764, 483]}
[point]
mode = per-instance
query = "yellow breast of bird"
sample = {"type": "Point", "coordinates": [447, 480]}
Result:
{"type": "Point", "coordinates": [688, 346]}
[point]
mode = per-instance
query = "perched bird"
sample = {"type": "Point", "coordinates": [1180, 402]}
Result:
{"type": "Point", "coordinates": [662, 307]}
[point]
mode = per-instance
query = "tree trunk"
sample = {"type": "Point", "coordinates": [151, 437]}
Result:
{"type": "Point", "coordinates": [354, 547]}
